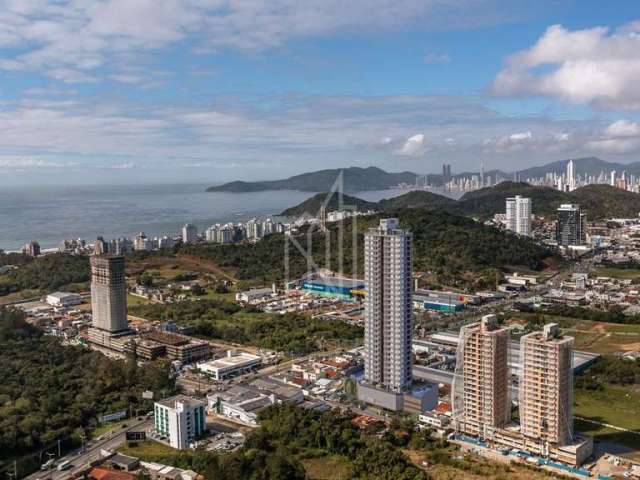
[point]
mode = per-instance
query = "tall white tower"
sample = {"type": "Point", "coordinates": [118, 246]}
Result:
{"type": "Point", "coordinates": [388, 319]}
{"type": "Point", "coordinates": [518, 213]}
{"type": "Point", "coordinates": [571, 176]}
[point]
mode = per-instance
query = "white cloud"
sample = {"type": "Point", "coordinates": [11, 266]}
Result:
{"type": "Point", "coordinates": [26, 163]}
{"type": "Point", "coordinates": [414, 146]}
{"type": "Point", "coordinates": [619, 138]}
{"type": "Point", "coordinates": [69, 38]}
{"type": "Point", "coordinates": [592, 66]}
{"type": "Point", "coordinates": [432, 58]}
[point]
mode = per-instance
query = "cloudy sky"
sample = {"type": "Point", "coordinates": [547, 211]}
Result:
{"type": "Point", "coordinates": [131, 91]}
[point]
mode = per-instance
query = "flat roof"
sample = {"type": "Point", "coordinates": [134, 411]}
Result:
{"type": "Point", "coordinates": [233, 361]}
{"type": "Point", "coordinates": [171, 401]}
{"type": "Point", "coordinates": [335, 281]}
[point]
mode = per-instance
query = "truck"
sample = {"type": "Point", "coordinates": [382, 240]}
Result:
{"type": "Point", "coordinates": [48, 464]}
{"type": "Point", "coordinates": [63, 465]}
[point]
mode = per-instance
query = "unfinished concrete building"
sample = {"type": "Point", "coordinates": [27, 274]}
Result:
{"type": "Point", "coordinates": [480, 392]}
{"type": "Point", "coordinates": [546, 387]}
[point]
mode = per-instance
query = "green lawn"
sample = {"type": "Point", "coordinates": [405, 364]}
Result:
{"type": "Point", "coordinates": [106, 427]}
{"type": "Point", "coordinates": [133, 300]}
{"type": "Point", "coordinates": [615, 405]}
{"type": "Point", "coordinates": [621, 273]}
{"type": "Point", "coordinates": [151, 451]}
{"type": "Point", "coordinates": [332, 467]}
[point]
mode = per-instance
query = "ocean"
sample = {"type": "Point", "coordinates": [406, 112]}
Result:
{"type": "Point", "coordinates": [50, 214]}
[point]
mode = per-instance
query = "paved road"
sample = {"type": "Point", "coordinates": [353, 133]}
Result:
{"type": "Point", "coordinates": [80, 461]}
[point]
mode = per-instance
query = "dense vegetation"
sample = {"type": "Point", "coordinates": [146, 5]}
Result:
{"type": "Point", "coordinates": [230, 322]}
{"type": "Point", "coordinates": [446, 244]}
{"type": "Point", "coordinates": [312, 205]}
{"type": "Point", "coordinates": [354, 179]}
{"type": "Point", "coordinates": [46, 273]}
{"type": "Point", "coordinates": [14, 258]}
{"type": "Point", "coordinates": [609, 369]}
{"type": "Point", "coordinates": [289, 435]}
{"type": "Point", "coordinates": [52, 392]}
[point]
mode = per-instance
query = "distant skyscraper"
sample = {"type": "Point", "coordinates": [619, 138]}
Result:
{"type": "Point", "coordinates": [518, 213]}
{"type": "Point", "coordinates": [480, 394]}
{"type": "Point", "coordinates": [189, 233]}
{"type": "Point", "coordinates": [612, 178]}
{"type": "Point", "coordinates": [570, 226]}
{"type": "Point", "coordinates": [481, 173]}
{"type": "Point", "coordinates": [546, 387]}
{"type": "Point", "coordinates": [100, 247]}
{"type": "Point", "coordinates": [571, 176]}
{"type": "Point", "coordinates": [388, 312]}
{"type": "Point", "coordinates": [32, 248]}
{"type": "Point", "coordinates": [108, 293]}
{"type": "Point", "coordinates": [446, 173]}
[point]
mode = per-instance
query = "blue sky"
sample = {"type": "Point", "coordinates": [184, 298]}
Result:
{"type": "Point", "coordinates": [126, 91]}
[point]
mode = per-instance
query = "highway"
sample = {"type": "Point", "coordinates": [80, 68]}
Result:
{"type": "Point", "coordinates": [80, 461]}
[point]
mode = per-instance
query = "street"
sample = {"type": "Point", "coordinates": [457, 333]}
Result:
{"type": "Point", "coordinates": [80, 461]}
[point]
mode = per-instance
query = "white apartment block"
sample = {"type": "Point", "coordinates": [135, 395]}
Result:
{"type": "Point", "coordinates": [189, 233]}
{"type": "Point", "coordinates": [518, 213]}
{"type": "Point", "coordinates": [388, 307]}
{"type": "Point", "coordinates": [179, 420]}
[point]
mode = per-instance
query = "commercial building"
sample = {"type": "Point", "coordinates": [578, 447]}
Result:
{"type": "Point", "coordinates": [480, 391]}
{"type": "Point", "coordinates": [254, 294]}
{"type": "Point", "coordinates": [32, 248]}
{"type": "Point", "coordinates": [234, 364]}
{"type": "Point", "coordinates": [176, 347]}
{"type": "Point", "coordinates": [64, 299]}
{"type": "Point", "coordinates": [388, 316]}
{"type": "Point", "coordinates": [331, 286]}
{"type": "Point", "coordinates": [518, 214]}
{"type": "Point", "coordinates": [570, 226]}
{"type": "Point", "coordinates": [189, 233]}
{"type": "Point", "coordinates": [179, 421]}
{"type": "Point", "coordinates": [546, 386]}
{"type": "Point", "coordinates": [438, 303]}
{"type": "Point", "coordinates": [240, 403]}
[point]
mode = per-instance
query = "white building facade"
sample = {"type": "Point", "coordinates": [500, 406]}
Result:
{"type": "Point", "coordinates": [518, 213]}
{"type": "Point", "coordinates": [179, 420]}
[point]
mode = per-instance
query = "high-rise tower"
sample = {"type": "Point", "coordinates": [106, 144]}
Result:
{"type": "Point", "coordinates": [571, 176]}
{"type": "Point", "coordinates": [388, 313]}
{"type": "Point", "coordinates": [570, 226]}
{"type": "Point", "coordinates": [480, 392]}
{"type": "Point", "coordinates": [108, 293]}
{"type": "Point", "coordinates": [518, 213]}
{"type": "Point", "coordinates": [546, 387]}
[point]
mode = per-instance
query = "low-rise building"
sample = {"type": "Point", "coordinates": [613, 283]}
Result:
{"type": "Point", "coordinates": [179, 420]}
{"type": "Point", "coordinates": [254, 294]}
{"type": "Point", "coordinates": [232, 365]}
{"type": "Point", "coordinates": [241, 403]}
{"type": "Point", "coordinates": [64, 299]}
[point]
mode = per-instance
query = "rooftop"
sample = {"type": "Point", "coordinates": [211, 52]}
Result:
{"type": "Point", "coordinates": [172, 401]}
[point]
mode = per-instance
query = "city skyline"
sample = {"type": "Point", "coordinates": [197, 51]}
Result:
{"type": "Point", "coordinates": [249, 91]}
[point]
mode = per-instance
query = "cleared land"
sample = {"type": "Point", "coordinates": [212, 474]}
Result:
{"type": "Point", "coordinates": [615, 405]}
{"type": "Point", "coordinates": [592, 336]}
{"type": "Point", "coordinates": [621, 273]}
{"type": "Point", "coordinates": [332, 467]}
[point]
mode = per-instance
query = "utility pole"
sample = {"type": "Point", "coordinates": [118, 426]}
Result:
{"type": "Point", "coordinates": [59, 455]}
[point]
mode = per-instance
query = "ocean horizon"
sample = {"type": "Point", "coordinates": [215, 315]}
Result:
{"type": "Point", "coordinates": [50, 214]}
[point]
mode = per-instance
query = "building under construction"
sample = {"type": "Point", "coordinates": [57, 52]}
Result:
{"type": "Point", "coordinates": [480, 389]}
{"type": "Point", "coordinates": [480, 392]}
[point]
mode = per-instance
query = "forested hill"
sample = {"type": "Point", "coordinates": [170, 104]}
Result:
{"type": "Point", "coordinates": [313, 204]}
{"type": "Point", "coordinates": [355, 179]}
{"type": "Point", "coordinates": [452, 246]}
{"type": "Point", "coordinates": [599, 201]}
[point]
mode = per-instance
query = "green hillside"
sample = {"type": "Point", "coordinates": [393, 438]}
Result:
{"type": "Point", "coordinates": [312, 205]}
{"type": "Point", "coordinates": [452, 246]}
{"type": "Point", "coordinates": [418, 199]}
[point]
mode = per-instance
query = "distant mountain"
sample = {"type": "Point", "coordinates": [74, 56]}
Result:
{"type": "Point", "coordinates": [587, 165]}
{"type": "Point", "coordinates": [413, 199]}
{"type": "Point", "coordinates": [356, 179]}
{"type": "Point", "coordinates": [599, 201]}
{"type": "Point", "coordinates": [486, 202]}
{"type": "Point", "coordinates": [312, 205]}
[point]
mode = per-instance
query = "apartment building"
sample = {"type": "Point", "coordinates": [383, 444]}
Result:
{"type": "Point", "coordinates": [518, 214]}
{"type": "Point", "coordinates": [546, 386]}
{"type": "Point", "coordinates": [480, 392]}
